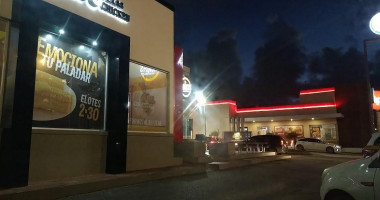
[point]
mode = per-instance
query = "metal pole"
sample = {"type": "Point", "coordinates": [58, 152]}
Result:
{"type": "Point", "coordinates": [204, 112]}
{"type": "Point", "coordinates": [372, 124]}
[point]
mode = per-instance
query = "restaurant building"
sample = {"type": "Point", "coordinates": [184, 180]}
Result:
{"type": "Point", "coordinates": [87, 87]}
{"type": "Point", "coordinates": [341, 115]}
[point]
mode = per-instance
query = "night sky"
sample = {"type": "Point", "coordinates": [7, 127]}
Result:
{"type": "Point", "coordinates": [322, 23]}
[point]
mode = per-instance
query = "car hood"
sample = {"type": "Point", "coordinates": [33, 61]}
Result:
{"type": "Point", "coordinates": [355, 170]}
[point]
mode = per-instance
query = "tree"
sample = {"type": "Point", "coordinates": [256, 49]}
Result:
{"type": "Point", "coordinates": [334, 66]}
{"type": "Point", "coordinates": [218, 68]}
{"type": "Point", "coordinates": [278, 65]}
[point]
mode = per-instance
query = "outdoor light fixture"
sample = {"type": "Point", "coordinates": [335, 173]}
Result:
{"type": "Point", "coordinates": [95, 43]}
{"type": "Point", "coordinates": [374, 24]}
{"type": "Point", "coordinates": [48, 37]}
{"type": "Point", "coordinates": [61, 31]}
{"type": "Point", "coordinates": [200, 98]}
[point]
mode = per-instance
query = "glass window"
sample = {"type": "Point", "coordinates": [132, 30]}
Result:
{"type": "Point", "coordinates": [188, 129]}
{"type": "Point", "coordinates": [377, 142]}
{"type": "Point", "coordinates": [148, 99]}
{"type": "Point", "coordinates": [70, 87]}
{"type": "Point", "coordinates": [315, 131]}
{"type": "Point", "coordinates": [328, 132]}
{"type": "Point", "coordinates": [3, 55]}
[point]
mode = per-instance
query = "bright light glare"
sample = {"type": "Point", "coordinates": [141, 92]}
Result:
{"type": "Point", "coordinates": [200, 98]}
{"type": "Point", "coordinates": [49, 37]}
{"type": "Point", "coordinates": [374, 24]}
{"type": "Point", "coordinates": [61, 31]}
{"type": "Point", "coordinates": [95, 43]}
{"type": "Point", "coordinates": [81, 47]}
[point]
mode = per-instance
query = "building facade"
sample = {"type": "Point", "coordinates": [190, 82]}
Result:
{"type": "Point", "coordinates": [87, 87]}
{"type": "Point", "coordinates": [340, 115]}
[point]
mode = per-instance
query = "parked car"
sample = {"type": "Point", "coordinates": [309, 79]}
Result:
{"type": "Point", "coordinates": [373, 145]}
{"type": "Point", "coordinates": [273, 143]}
{"type": "Point", "coordinates": [210, 141]}
{"type": "Point", "coordinates": [313, 144]}
{"type": "Point", "coordinates": [354, 180]}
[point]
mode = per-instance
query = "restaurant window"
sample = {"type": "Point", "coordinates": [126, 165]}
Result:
{"type": "Point", "coordinates": [3, 56]}
{"type": "Point", "coordinates": [328, 132]}
{"type": "Point", "coordinates": [188, 129]}
{"type": "Point", "coordinates": [315, 131]}
{"type": "Point", "coordinates": [324, 131]}
{"type": "Point", "coordinates": [70, 86]}
{"type": "Point", "coordinates": [147, 99]}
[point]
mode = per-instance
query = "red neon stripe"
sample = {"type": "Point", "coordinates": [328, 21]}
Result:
{"type": "Point", "coordinates": [221, 102]}
{"type": "Point", "coordinates": [315, 91]}
{"type": "Point", "coordinates": [287, 107]}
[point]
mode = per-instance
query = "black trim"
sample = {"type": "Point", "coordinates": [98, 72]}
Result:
{"type": "Point", "coordinates": [167, 5]}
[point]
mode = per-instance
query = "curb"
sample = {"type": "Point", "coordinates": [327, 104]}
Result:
{"type": "Point", "coordinates": [245, 162]}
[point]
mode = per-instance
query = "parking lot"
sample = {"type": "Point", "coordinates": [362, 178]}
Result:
{"type": "Point", "coordinates": [295, 178]}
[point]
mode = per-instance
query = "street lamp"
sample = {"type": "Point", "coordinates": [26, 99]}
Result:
{"type": "Point", "coordinates": [374, 25]}
{"type": "Point", "coordinates": [201, 99]}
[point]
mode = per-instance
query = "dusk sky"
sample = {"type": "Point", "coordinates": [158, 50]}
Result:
{"type": "Point", "coordinates": [322, 23]}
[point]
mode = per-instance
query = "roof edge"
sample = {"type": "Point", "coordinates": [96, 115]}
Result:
{"type": "Point", "coordinates": [166, 4]}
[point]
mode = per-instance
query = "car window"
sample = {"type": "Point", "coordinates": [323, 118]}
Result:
{"type": "Point", "coordinates": [314, 140]}
{"type": "Point", "coordinates": [377, 142]}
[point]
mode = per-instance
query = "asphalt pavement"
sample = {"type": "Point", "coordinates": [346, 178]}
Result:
{"type": "Point", "coordinates": [295, 178]}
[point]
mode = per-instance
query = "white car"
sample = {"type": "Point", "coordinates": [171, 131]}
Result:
{"type": "Point", "coordinates": [353, 180]}
{"type": "Point", "coordinates": [313, 144]}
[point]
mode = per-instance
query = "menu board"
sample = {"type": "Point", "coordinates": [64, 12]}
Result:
{"type": "Point", "coordinates": [70, 84]}
{"type": "Point", "coordinates": [147, 97]}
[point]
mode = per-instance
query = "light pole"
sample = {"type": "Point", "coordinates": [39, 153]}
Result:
{"type": "Point", "coordinates": [201, 102]}
{"type": "Point", "coordinates": [374, 25]}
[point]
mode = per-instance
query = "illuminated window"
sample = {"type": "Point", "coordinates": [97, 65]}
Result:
{"type": "Point", "coordinates": [148, 99]}
{"type": "Point", "coordinates": [70, 87]}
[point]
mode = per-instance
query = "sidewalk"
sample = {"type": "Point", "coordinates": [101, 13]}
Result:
{"type": "Point", "coordinates": [86, 184]}
{"type": "Point", "coordinates": [50, 190]}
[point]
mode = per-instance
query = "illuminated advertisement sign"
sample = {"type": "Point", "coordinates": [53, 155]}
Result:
{"type": "Point", "coordinates": [114, 8]}
{"type": "Point", "coordinates": [148, 96]}
{"type": "Point", "coordinates": [186, 87]}
{"type": "Point", "coordinates": [70, 84]}
{"type": "Point", "coordinates": [376, 100]}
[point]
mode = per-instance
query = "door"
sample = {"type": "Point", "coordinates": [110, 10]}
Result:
{"type": "Point", "coordinates": [319, 145]}
{"type": "Point", "coordinates": [311, 144]}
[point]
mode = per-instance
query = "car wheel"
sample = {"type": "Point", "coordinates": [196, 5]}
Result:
{"type": "Point", "coordinates": [329, 150]}
{"type": "Point", "coordinates": [300, 147]}
{"type": "Point", "coordinates": [339, 196]}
